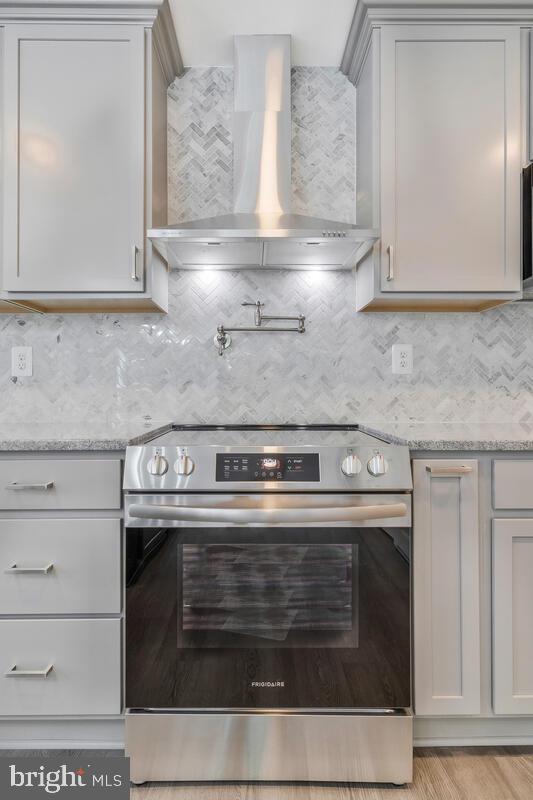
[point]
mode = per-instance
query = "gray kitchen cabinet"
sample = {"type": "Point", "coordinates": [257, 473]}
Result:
{"type": "Point", "coordinates": [74, 667]}
{"type": "Point", "coordinates": [511, 484]}
{"type": "Point", "coordinates": [84, 159]}
{"type": "Point", "coordinates": [512, 613]}
{"type": "Point", "coordinates": [60, 566]}
{"type": "Point", "coordinates": [446, 598]}
{"type": "Point", "coordinates": [61, 597]}
{"type": "Point", "coordinates": [439, 133]}
{"type": "Point", "coordinates": [59, 484]}
{"type": "Point", "coordinates": [73, 149]}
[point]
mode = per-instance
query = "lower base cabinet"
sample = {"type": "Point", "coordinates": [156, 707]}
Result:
{"type": "Point", "coordinates": [447, 657]}
{"type": "Point", "coordinates": [512, 613]}
{"type": "Point", "coordinates": [60, 566]}
{"type": "Point", "coordinates": [58, 667]}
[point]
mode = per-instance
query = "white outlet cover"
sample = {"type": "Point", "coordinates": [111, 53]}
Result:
{"type": "Point", "coordinates": [402, 359]}
{"type": "Point", "coordinates": [21, 362]}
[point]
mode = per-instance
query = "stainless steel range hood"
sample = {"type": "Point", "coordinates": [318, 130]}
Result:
{"type": "Point", "coordinates": [262, 232]}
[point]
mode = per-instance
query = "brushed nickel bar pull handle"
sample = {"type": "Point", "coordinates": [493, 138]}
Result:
{"type": "Point", "coordinates": [243, 516]}
{"type": "Point", "coordinates": [30, 487]}
{"type": "Point", "coordinates": [134, 275]}
{"type": "Point", "coordinates": [390, 251]}
{"type": "Point", "coordinates": [15, 672]}
{"type": "Point", "coordinates": [15, 570]}
{"type": "Point", "coordinates": [463, 469]}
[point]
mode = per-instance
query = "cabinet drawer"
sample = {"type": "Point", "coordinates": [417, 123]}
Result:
{"type": "Point", "coordinates": [60, 566]}
{"type": "Point", "coordinates": [59, 484]}
{"type": "Point", "coordinates": [513, 484]}
{"type": "Point", "coordinates": [76, 661]}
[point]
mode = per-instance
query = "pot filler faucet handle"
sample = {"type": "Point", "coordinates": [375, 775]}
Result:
{"type": "Point", "coordinates": [222, 340]}
{"type": "Point", "coordinates": [258, 305]}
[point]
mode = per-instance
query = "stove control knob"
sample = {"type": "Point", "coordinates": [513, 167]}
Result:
{"type": "Point", "coordinates": [184, 465]}
{"type": "Point", "coordinates": [351, 466]}
{"type": "Point", "coordinates": [377, 465]}
{"type": "Point", "coordinates": [157, 465]}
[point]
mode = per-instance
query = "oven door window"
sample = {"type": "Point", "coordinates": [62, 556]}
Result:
{"type": "Point", "coordinates": [246, 617]}
{"type": "Point", "coordinates": [268, 595]}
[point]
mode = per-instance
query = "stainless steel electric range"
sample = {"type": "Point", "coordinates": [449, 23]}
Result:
{"type": "Point", "coordinates": [268, 605]}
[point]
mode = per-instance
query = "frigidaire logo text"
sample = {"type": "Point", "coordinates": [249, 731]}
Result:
{"type": "Point", "coordinates": [52, 781]}
{"type": "Point", "coordinates": [268, 684]}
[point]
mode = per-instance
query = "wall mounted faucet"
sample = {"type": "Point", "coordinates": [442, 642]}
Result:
{"type": "Point", "coordinates": [222, 339]}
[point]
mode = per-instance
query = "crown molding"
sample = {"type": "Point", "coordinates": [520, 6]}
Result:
{"type": "Point", "coordinates": [154, 14]}
{"type": "Point", "coordinates": [166, 44]}
{"type": "Point", "coordinates": [370, 14]}
{"type": "Point", "coordinates": [141, 11]}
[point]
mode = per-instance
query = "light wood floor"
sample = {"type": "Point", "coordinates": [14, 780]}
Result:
{"type": "Point", "coordinates": [477, 773]}
{"type": "Point", "coordinates": [455, 773]}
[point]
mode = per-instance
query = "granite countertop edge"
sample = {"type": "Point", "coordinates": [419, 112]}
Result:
{"type": "Point", "coordinates": [450, 443]}
{"type": "Point", "coordinates": [112, 443]}
{"type": "Point", "coordinates": [423, 439]}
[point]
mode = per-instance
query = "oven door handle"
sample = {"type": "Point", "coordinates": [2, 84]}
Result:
{"type": "Point", "coordinates": [243, 516]}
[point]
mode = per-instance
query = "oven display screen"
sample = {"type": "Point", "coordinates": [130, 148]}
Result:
{"type": "Point", "coordinates": [242, 467]}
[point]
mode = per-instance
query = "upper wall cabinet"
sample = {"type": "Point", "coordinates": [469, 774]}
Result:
{"type": "Point", "coordinates": [439, 159]}
{"type": "Point", "coordinates": [84, 163]}
{"type": "Point", "coordinates": [74, 158]}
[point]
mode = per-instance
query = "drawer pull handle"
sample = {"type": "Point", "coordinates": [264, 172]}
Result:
{"type": "Point", "coordinates": [30, 487]}
{"type": "Point", "coordinates": [460, 470]}
{"type": "Point", "coordinates": [15, 672]}
{"type": "Point", "coordinates": [15, 570]}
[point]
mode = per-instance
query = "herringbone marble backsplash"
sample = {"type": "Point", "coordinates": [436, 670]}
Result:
{"type": "Point", "coordinates": [468, 367]}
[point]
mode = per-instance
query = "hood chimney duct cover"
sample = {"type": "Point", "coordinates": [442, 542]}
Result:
{"type": "Point", "coordinates": [262, 125]}
{"type": "Point", "coordinates": [262, 231]}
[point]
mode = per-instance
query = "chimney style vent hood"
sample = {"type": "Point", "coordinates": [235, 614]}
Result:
{"type": "Point", "coordinates": [262, 231]}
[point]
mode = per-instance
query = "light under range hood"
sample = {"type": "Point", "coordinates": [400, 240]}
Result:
{"type": "Point", "coordinates": [262, 232]}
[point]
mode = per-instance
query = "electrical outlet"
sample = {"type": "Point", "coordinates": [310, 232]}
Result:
{"type": "Point", "coordinates": [402, 359]}
{"type": "Point", "coordinates": [21, 362]}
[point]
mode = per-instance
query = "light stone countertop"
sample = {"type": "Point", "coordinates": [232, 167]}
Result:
{"type": "Point", "coordinates": [456, 435]}
{"type": "Point", "coordinates": [77, 436]}
{"type": "Point", "coordinates": [115, 435]}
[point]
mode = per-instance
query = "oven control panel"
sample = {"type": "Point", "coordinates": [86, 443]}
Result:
{"type": "Point", "coordinates": [247, 467]}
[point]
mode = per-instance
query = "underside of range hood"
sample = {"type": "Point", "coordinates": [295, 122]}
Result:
{"type": "Point", "coordinates": [262, 232]}
{"type": "Point", "coordinates": [241, 241]}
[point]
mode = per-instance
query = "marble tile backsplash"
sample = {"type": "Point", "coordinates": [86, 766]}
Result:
{"type": "Point", "coordinates": [467, 367]}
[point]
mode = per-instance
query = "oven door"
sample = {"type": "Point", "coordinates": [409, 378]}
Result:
{"type": "Point", "coordinates": [262, 602]}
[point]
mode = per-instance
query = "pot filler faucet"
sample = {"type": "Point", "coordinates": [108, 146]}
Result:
{"type": "Point", "coordinates": [222, 339]}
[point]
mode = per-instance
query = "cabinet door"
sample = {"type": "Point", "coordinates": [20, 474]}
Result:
{"type": "Point", "coordinates": [446, 587]}
{"type": "Point", "coordinates": [450, 160]}
{"type": "Point", "coordinates": [73, 158]}
{"type": "Point", "coordinates": [512, 586]}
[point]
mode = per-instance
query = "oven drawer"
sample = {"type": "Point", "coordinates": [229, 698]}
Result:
{"type": "Point", "coordinates": [60, 566]}
{"type": "Point", "coordinates": [60, 667]}
{"type": "Point", "coordinates": [59, 484]}
{"type": "Point", "coordinates": [513, 484]}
